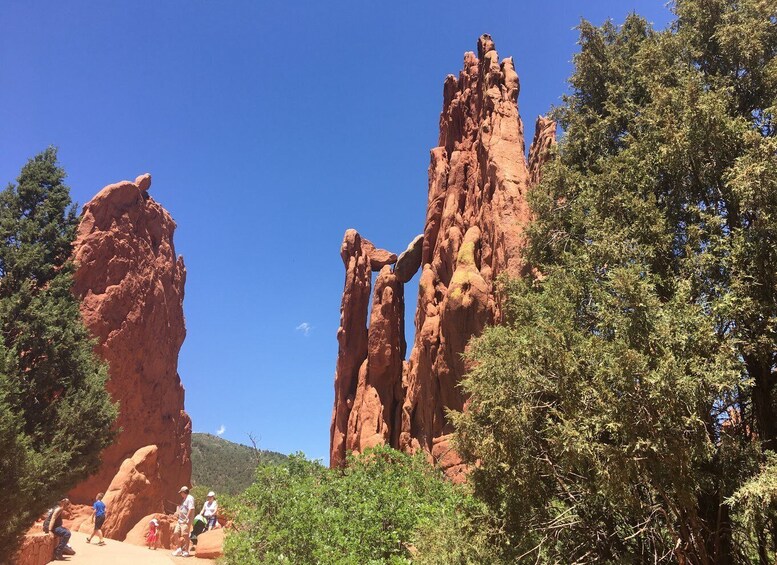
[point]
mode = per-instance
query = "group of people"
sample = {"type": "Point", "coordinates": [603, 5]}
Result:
{"type": "Point", "coordinates": [187, 526]}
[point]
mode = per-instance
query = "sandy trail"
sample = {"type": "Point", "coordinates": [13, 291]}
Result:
{"type": "Point", "coordinates": [119, 553]}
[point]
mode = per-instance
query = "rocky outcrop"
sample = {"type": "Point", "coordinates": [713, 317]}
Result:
{"type": "Point", "coordinates": [135, 488]}
{"type": "Point", "coordinates": [35, 548]}
{"type": "Point", "coordinates": [541, 148]}
{"type": "Point", "coordinates": [131, 286]}
{"type": "Point", "coordinates": [378, 396]}
{"type": "Point", "coordinates": [410, 260]}
{"type": "Point", "coordinates": [137, 535]}
{"type": "Point", "coordinates": [210, 545]}
{"type": "Point", "coordinates": [474, 232]}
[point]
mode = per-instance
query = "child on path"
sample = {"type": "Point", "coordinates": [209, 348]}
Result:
{"type": "Point", "coordinates": [153, 534]}
{"type": "Point", "coordinates": [98, 517]}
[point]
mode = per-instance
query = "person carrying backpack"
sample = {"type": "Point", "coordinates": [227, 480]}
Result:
{"type": "Point", "coordinates": [55, 527]}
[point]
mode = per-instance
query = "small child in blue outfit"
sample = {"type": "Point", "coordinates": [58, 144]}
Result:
{"type": "Point", "coordinates": [98, 517]}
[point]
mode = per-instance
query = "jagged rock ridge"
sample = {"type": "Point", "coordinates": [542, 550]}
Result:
{"type": "Point", "coordinates": [476, 214]}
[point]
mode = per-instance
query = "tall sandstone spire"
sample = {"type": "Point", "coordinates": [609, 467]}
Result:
{"type": "Point", "coordinates": [131, 286]}
{"type": "Point", "coordinates": [476, 215]}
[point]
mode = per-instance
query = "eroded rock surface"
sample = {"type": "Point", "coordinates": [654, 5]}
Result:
{"type": "Point", "coordinates": [135, 488]}
{"type": "Point", "coordinates": [131, 286]}
{"type": "Point", "coordinates": [474, 231]}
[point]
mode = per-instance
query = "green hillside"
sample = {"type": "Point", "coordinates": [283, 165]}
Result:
{"type": "Point", "coordinates": [224, 466]}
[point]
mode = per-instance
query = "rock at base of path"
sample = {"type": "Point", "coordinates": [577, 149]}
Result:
{"type": "Point", "coordinates": [210, 545]}
{"type": "Point", "coordinates": [36, 548]}
{"type": "Point", "coordinates": [134, 490]}
{"type": "Point", "coordinates": [137, 535]}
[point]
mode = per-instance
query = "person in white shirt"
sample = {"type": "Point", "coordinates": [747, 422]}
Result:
{"type": "Point", "coordinates": [185, 514]}
{"type": "Point", "coordinates": [209, 510]}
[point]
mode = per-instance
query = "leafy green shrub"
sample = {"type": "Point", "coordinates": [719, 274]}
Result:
{"type": "Point", "coordinates": [370, 512]}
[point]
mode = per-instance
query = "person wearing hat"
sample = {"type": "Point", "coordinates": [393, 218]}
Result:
{"type": "Point", "coordinates": [185, 514]}
{"type": "Point", "coordinates": [209, 510]}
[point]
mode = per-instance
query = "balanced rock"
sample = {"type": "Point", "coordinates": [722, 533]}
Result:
{"type": "Point", "coordinates": [410, 260]}
{"type": "Point", "coordinates": [379, 258]}
{"type": "Point", "coordinates": [131, 286]}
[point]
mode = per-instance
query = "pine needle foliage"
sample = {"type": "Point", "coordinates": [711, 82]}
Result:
{"type": "Point", "coordinates": [625, 413]}
{"type": "Point", "coordinates": [55, 414]}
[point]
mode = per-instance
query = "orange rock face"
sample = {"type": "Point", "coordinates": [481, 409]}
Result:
{"type": "Point", "coordinates": [137, 535]}
{"type": "Point", "coordinates": [476, 215]}
{"type": "Point", "coordinates": [131, 285]}
{"type": "Point", "coordinates": [135, 488]}
{"type": "Point", "coordinates": [36, 548]}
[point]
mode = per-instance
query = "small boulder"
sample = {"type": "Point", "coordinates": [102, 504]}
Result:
{"type": "Point", "coordinates": [210, 545]}
{"type": "Point", "coordinates": [143, 182]}
{"type": "Point", "coordinates": [379, 258]}
{"type": "Point", "coordinates": [137, 535]}
{"type": "Point", "coordinates": [410, 260]}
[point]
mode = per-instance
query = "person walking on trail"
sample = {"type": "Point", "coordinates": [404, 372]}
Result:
{"type": "Point", "coordinates": [59, 530]}
{"type": "Point", "coordinates": [185, 514]}
{"type": "Point", "coordinates": [209, 510]}
{"type": "Point", "coordinates": [98, 517]}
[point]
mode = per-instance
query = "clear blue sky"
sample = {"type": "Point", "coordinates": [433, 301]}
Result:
{"type": "Point", "coordinates": [269, 128]}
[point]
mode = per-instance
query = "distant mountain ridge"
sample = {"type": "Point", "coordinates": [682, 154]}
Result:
{"type": "Point", "coordinates": [224, 466]}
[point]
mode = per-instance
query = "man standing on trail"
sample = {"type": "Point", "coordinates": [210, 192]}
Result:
{"type": "Point", "coordinates": [185, 515]}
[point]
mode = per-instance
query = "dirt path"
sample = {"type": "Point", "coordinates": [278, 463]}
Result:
{"type": "Point", "coordinates": [119, 553]}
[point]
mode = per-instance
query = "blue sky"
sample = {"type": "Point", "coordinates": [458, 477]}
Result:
{"type": "Point", "coordinates": [269, 129]}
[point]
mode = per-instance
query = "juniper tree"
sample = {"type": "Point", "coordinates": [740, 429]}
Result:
{"type": "Point", "coordinates": [626, 411]}
{"type": "Point", "coordinates": [55, 414]}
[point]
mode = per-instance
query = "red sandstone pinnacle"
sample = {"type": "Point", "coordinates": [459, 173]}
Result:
{"type": "Point", "coordinates": [541, 148]}
{"type": "Point", "coordinates": [131, 286]}
{"type": "Point", "coordinates": [378, 398]}
{"type": "Point", "coordinates": [474, 232]}
{"type": "Point", "coordinates": [351, 337]}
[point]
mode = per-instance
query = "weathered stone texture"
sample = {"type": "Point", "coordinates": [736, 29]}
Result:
{"type": "Point", "coordinates": [474, 232]}
{"type": "Point", "coordinates": [131, 284]}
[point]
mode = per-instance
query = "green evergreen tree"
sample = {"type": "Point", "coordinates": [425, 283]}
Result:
{"type": "Point", "coordinates": [55, 414]}
{"type": "Point", "coordinates": [626, 411]}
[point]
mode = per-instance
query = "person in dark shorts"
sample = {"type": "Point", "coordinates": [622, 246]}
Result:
{"type": "Point", "coordinates": [98, 517]}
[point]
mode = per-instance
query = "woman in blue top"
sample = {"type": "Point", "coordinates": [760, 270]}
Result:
{"type": "Point", "coordinates": [98, 517]}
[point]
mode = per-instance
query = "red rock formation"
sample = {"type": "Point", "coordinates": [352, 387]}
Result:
{"type": "Point", "coordinates": [541, 148]}
{"type": "Point", "coordinates": [131, 284]}
{"type": "Point", "coordinates": [135, 488]}
{"type": "Point", "coordinates": [351, 337]}
{"type": "Point", "coordinates": [210, 545]}
{"type": "Point", "coordinates": [137, 535]}
{"type": "Point", "coordinates": [35, 548]}
{"type": "Point", "coordinates": [378, 397]}
{"type": "Point", "coordinates": [476, 214]}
